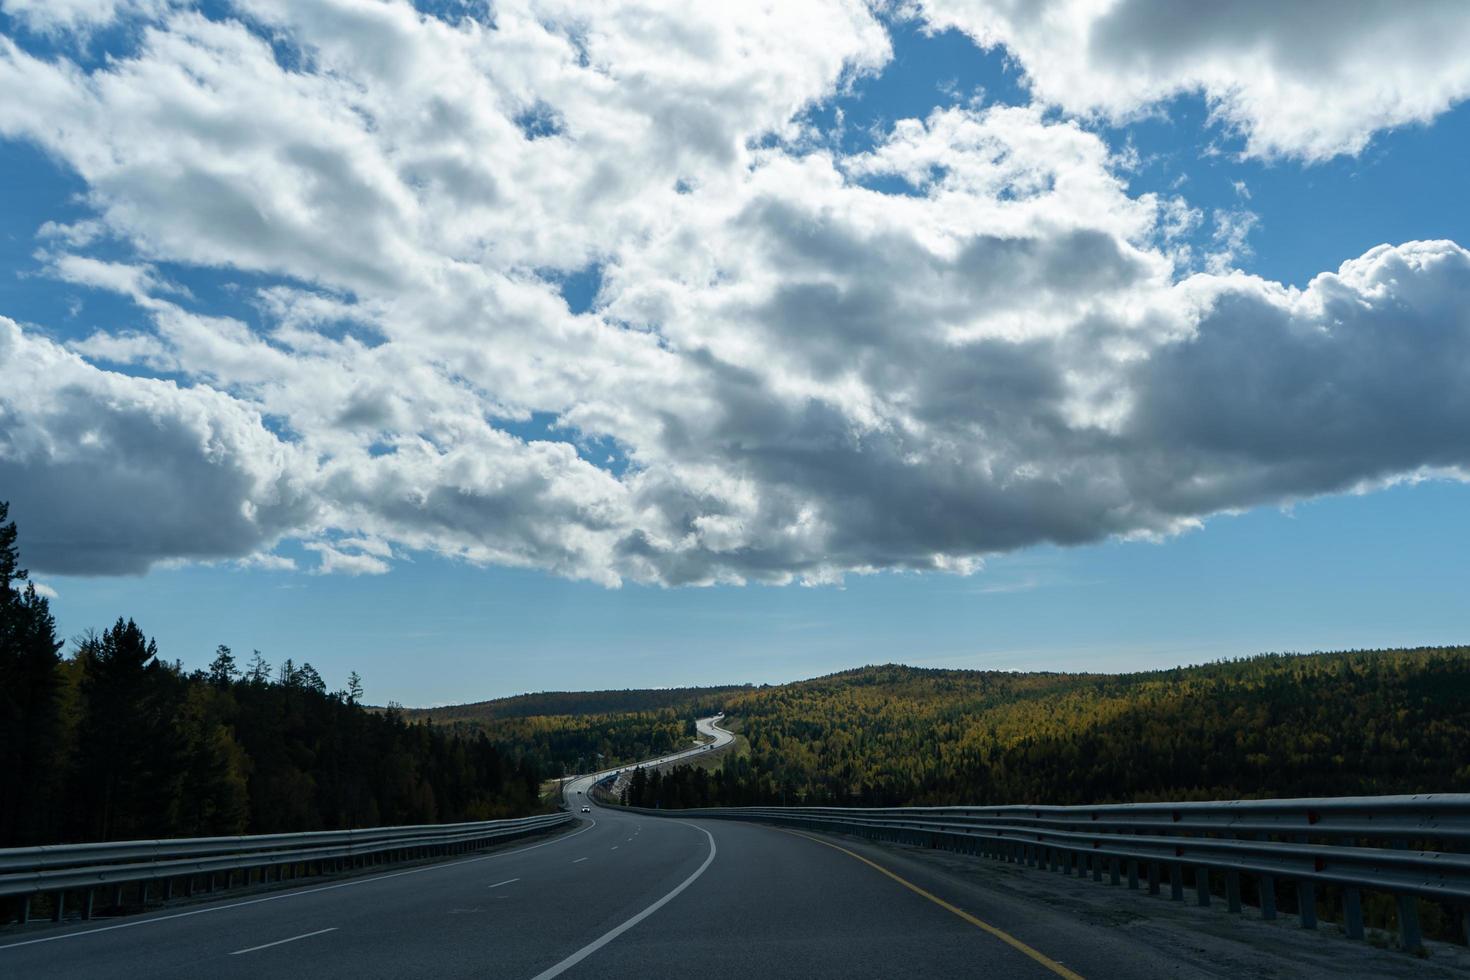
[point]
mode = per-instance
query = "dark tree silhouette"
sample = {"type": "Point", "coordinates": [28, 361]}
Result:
{"type": "Point", "coordinates": [29, 685]}
{"type": "Point", "coordinates": [114, 742]}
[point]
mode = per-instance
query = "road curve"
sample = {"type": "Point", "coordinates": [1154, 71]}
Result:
{"type": "Point", "coordinates": [621, 895]}
{"type": "Point", "coordinates": [708, 727]}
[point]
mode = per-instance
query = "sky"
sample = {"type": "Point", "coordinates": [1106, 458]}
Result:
{"type": "Point", "coordinates": [492, 348]}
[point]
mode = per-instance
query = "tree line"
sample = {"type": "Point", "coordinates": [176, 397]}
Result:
{"type": "Point", "coordinates": [684, 700]}
{"type": "Point", "coordinates": [566, 744]}
{"type": "Point", "coordinates": [111, 742]}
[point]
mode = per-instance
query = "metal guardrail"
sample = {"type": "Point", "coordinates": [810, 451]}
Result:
{"type": "Point", "coordinates": [1398, 845]}
{"type": "Point", "coordinates": [59, 869]}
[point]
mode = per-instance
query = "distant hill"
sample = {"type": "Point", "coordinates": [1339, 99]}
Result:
{"type": "Point", "coordinates": [1321, 724]}
{"type": "Point", "coordinates": [575, 703]}
{"type": "Point", "coordinates": [577, 731]}
{"type": "Point", "coordinates": [1344, 723]}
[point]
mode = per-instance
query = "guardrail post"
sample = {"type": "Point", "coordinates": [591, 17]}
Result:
{"type": "Point", "coordinates": [1133, 874]}
{"type": "Point", "coordinates": [1352, 913]}
{"type": "Point", "coordinates": [1306, 902]}
{"type": "Point", "coordinates": [1176, 881]}
{"type": "Point", "coordinates": [87, 903]}
{"type": "Point", "coordinates": [1268, 897]}
{"type": "Point", "coordinates": [1202, 886]}
{"type": "Point", "coordinates": [1112, 871]}
{"type": "Point", "coordinates": [1153, 877]}
{"type": "Point", "coordinates": [117, 894]}
{"type": "Point", "coordinates": [60, 909]}
{"type": "Point", "coordinates": [1409, 937]}
{"type": "Point", "coordinates": [24, 915]}
{"type": "Point", "coordinates": [1408, 909]}
{"type": "Point", "coordinates": [1096, 867]}
{"type": "Point", "coordinates": [1232, 892]}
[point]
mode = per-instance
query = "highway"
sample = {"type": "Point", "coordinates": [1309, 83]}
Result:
{"type": "Point", "coordinates": [619, 895]}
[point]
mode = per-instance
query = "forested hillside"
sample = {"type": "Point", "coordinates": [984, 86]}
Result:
{"type": "Point", "coordinates": [1359, 722]}
{"type": "Point", "coordinates": [565, 744]}
{"type": "Point", "coordinates": [567, 732]}
{"type": "Point", "coordinates": [571, 703]}
{"type": "Point", "coordinates": [111, 742]}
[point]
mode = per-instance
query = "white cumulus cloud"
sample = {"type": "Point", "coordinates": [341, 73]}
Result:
{"type": "Point", "coordinates": [785, 374]}
{"type": "Point", "coordinates": [1306, 78]}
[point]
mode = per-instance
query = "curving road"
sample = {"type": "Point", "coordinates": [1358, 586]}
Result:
{"type": "Point", "coordinates": [621, 895]}
{"type": "Point", "coordinates": [708, 727]}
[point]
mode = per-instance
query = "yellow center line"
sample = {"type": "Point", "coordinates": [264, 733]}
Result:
{"type": "Point", "coordinates": [1000, 934]}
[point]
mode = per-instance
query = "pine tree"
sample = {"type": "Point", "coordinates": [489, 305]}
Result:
{"type": "Point", "coordinates": [126, 774]}
{"type": "Point", "coordinates": [222, 670]}
{"type": "Point", "coordinates": [29, 720]}
{"type": "Point", "coordinates": [308, 678]}
{"type": "Point", "coordinates": [259, 671]}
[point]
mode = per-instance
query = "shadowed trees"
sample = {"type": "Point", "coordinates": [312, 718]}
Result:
{"type": "Point", "coordinates": [114, 743]}
{"type": "Point", "coordinates": [29, 692]}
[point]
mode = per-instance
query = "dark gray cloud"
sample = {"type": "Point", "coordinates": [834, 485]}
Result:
{"type": "Point", "coordinates": [110, 475]}
{"type": "Point", "coordinates": [1266, 397]}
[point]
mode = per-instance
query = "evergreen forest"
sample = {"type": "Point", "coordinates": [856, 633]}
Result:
{"type": "Point", "coordinates": [112, 742]}
{"type": "Point", "coordinates": [1361, 722]}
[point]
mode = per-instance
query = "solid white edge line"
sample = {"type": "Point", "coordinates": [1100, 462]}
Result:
{"type": "Point", "coordinates": [611, 934]}
{"type": "Point", "coordinates": [579, 860]}
{"type": "Point", "coordinates": [508, 881]}
{"type": "Point", "coordinates": [296, 894]}
{"type": "Point", "coordinates": [278, 942]}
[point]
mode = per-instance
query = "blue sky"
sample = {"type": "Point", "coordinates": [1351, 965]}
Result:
{"type": "Point", "coordinates": [442, 618]}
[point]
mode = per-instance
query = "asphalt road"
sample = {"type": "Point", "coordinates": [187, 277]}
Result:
{"type": "Point", "coordinates": [620, 895]}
